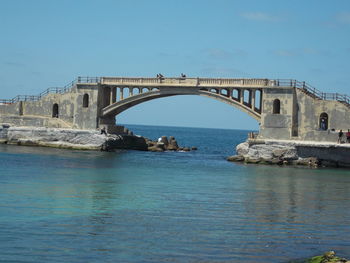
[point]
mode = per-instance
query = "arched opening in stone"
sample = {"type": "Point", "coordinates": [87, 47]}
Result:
{"type": "Point", "coordinates": [86, 101]}
{"type": "Point", "coordinates": [55, 111]}
{"type": "Point", "coordinates": [126, 93]}
{"type": "Point", "coordinates": [224, 92]}
{"type": "Point", "coordinates": [135, 91]}
{"type": "Point", "coordinates": [235, 94]}
{"type": "Point", "coordinates": [257, 102]}
{"type": "Point", "coordinates": [324, 121]}
{"type": "Point", "coordinates": [144, 90]}
{"type": "Point", "coordinates": [276, 106]}
{"type": "Point", "coordinates": [214, 91]}
{"type": "Point", "coordinates": [247, 98]}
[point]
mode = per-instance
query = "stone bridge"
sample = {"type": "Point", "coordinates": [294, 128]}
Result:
{"type": "Point", "coordinates": [122, 93]}
{"type": "Point", "coordinates": [284, 109]}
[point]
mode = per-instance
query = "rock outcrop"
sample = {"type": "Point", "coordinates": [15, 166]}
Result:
{"type": "Point", "coordinates": [165, 144]}
{"type": "Point", "coordinates": [294, 153]}
{"type": "Point", "coordinates": [69, 138]}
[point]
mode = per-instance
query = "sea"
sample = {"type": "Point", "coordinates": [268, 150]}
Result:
{"type": "Point", "coordinates": [135, 206]}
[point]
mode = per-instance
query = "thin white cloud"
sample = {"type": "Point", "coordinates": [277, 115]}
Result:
{"type": "Point", "coordinates": [343, 17]}
{"type": "Point", "coordinates": [285, 53]}
{"type": "Point", "coordinates": [218, 53]}
{"type": "Point", "coordinates": [13, 64]}
{"type": "Point", "coordinates": [297, 52]}
{"type": "Point", "coordinates": [222, 72]}
{"type": "Point", "coordinates": [260, 16]}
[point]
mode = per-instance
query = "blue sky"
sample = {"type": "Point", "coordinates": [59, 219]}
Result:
{"type": "Point", "coordinates": [49, 43]}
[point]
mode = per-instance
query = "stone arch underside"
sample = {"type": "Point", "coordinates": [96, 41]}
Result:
{"type": "Point", "coordinates": [120, 106]}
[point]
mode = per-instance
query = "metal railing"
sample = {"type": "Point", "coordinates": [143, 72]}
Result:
{"type": "Point", "coordinates": [343, 98]}
{"type": "Point", "coordinates": [52, 90]}
{"type": "Point", "coordinates": [312, 91]}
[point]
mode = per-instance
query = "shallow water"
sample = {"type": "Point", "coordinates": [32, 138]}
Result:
{"type": "Point", "coordinates": [131, 206]}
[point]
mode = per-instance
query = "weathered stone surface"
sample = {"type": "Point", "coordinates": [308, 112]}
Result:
{"type": "Point", "coordinates": [155, 148]}
{"type": "Point", "coordinates": [71, 139]}
{"type": "Point", "coordinates": [242, 148]}
{"type": "Point", "coordinates": [235, 158]}
{"type": "Point", "coordinates": [290, 152]}
{"type": "Point", "coordinates": [252, 160]}
{"type": "Point", "coordinates": [173, 142]}
{"type": "Point", "coordinates": [164, 140]}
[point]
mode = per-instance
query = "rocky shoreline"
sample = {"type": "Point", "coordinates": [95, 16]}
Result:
{"type": "Point", "coordinates": [84, 139]}
{"type": "Point", "coordinates": [69, 139]}
{"type": "Point", "coordinates": [292, 153]}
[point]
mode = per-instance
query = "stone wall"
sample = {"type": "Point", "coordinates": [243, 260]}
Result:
{"type": "Point", "coordinates": [86, 117]}
{"type": "Point", "coordinates": [278, 126]}
{"type": "Point", "coordinates": [10, 109]}
{"type": "Point", "coordinates": [309, 113]}
{"type": "Point", "coordinates": [71, 110]}
{"type": "Point", "coordinates": [299, 117]}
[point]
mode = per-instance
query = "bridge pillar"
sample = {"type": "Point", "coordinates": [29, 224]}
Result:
{"type": "Point", "coordinates": [241, 96]}
{"type": "Point", "coordinates": [113, 96]}
{"type": "Point", "coordinates": [121, 93]}
{"type": "Point", "coordinates": [252, 99]}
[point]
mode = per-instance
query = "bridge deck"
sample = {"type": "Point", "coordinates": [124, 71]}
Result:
{"type": "Point", "coordinates": [188, 82]}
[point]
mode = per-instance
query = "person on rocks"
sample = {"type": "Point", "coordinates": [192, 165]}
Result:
{"type": "Point", "coordinates": [340, 136]}
{"type": "Point", "coordinates": [348, 136]}
{"type": "Point", "coordinates": [103, 131]}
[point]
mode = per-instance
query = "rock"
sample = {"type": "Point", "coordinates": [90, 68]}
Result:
{"type": "Point", "coordinates": [252, 160]}
{"type": "Point", "coordinates": [328, 163]}
{"type": "Point", "coordinates": [286, 153]}
{"type": "Point", "coordinates": [160, 145]}
{"type": "Point", "coordinates": [186, 149]}
{"type": "Point", "coordinates": [172, 146]}
{"type": "Point", "coordinates": [155, 149]}
{"type": "Point", "coordinates": [193, 148]}
{"type": "Point", "coordinates": [311, 161]}
{"type": "Point", "coordinates": [271, 161]}
{"type": "Point", "coordinates": [128, 142]}
{"type": "Point", "coordinates": [164, 140]}
{"type": "Point", "coordinates": [72, 139]}
{"type": "Point", "coordinates": [242, 149]}
{"type": "Point", "coordinates": [150, 143]}
{"type": "Point", "coordinates": [235, 158]}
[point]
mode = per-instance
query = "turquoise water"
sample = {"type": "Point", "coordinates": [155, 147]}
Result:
{"type": "Point", "coordinates": [131, 206]}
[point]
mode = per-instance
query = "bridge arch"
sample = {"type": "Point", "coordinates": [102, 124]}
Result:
{"type": "Point", "coordinates": [217, 94]}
